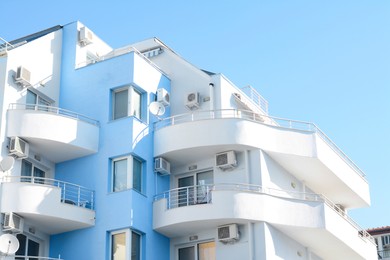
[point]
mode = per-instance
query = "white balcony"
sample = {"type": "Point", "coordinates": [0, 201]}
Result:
{"type": "Point", "coordinates": [51, 206]}
{"type": "Point", "coordinates": [300, 147]}
{"type": "Point", "coordinates": [310, 219]}
{"type": "Point", "coordinates": [58, 134]}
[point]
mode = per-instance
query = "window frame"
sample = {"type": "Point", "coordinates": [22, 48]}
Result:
{"type": "Point", "coordinates": [32, 173]}
{"type": "Point", "coordinates": [130, 177]}
{"type": "Point", "coordinates": [196, 247]}
{"type": "Point", "coordinates": [131, 111]}
{"type": "Point", "coordinates": [41, 101]}
{"type": "Point", "coordinates": [27, 246]}
{"type": "Point", "coordinates": [128, 243]}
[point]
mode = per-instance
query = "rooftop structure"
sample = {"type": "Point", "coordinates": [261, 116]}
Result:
{"type": "Point", "coordinates": [135, 153]}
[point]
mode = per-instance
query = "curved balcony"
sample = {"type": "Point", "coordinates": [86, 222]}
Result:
{"type": "Point", "coordinates": [50, 205]}
{"type": "Point", "coordinates": [58, 134]}
{"type": "Point", "coordinates": [308, 218]}
{"type": "Point", "coordinates": [299, 147]}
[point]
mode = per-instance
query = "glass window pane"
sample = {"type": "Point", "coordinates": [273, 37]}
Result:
{"type": "Point", "coordinates": [135, 246]}
{"type": "Point", "coordinates": [33, 249]}
{"type": "Point", "coordinates": [43, 104]}
{"type": "Point", "coordinates": [206, 251]}
{"type": "Point", "coordinates": [26, 171]}
{"type": "Point", "coordinates": [120, 103]}
{"type": "Point", "coordinates": [22, 245]}
{"type": "Point", "coordinates": [38, 174]}
{"type": "Point", "coordinates": [118, 246]}
{"type": "Point", "coordinates": [187, 253]}
{"type": "Point", "coordinates": [31, 98]}
{"type": "Point", "coordinates": [120, 175]}
{"type": "Point", "coordinates": [137, 175]}
{"type": "Point", "coordinates": [186, 195]}
{"type": "Point", "coordinates": [136, 102]}
{"type": "Point", "coordinates": [204, 179]}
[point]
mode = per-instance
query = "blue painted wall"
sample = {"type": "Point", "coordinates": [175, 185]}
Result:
{"type": "Point", "coordinates": [88, 91]}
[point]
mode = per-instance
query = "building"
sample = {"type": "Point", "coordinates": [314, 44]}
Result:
{"type": "Point", "coordinates": [382, 240]}
{"type": "Point", "coordinates": [134, 153]}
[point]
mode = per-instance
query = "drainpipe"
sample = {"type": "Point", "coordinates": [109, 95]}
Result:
{"type": "Point", "coordinates": [251, 242]}
{"type": "Point", "coordinates": [211, 93]}
{"type": "Point", "coordinates": [247, 167]}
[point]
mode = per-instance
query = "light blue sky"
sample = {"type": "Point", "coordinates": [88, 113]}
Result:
{"type": "Point", "coordinates": [326, 62]}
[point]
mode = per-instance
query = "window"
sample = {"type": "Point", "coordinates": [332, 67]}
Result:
{"type": "Point", "coordinates": [127, 102]}
{"type": "Point", "coordinates": [125, 243]}
{"type": "Point", "coordinates": [27, 247]}
{"type": "Point", "coordinates": [33, 100]}
{"type": "Point", "coordinates": [33, 173]}
{"type": "Point", "coordinates": [385, 240]}
{"type": "Point", "coordinates": [189, 194]}
{"type": "Point", "coordinates": [127, 172]}
{"type": "Point", "coordinates": [201, 251]}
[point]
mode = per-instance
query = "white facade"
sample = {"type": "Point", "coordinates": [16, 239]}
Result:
{"type": "Point", "coordinates": [289, 192]}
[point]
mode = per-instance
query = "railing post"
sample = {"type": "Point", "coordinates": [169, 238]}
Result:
{"type": "Point", "coordinates": [188, 196]}
{"type": "Point", "coordinates": [78, 196]}
{"type": "Point", "coordinates": [64, 190]}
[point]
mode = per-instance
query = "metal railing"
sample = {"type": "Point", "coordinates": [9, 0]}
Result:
{"type": "Point", "coordinates": [5, 46]}
{"type": "Point", "coordinates": [18, 257]}
{"type": "Point", "coordinates": [256, 97]}
{"type": "Point", "coordinates": [119, 52]}
{"type": "Point", "coordinates": [70, 193]}
{"type": "Point", "coordinates": [258, 118]}
{"type": "Point", "coordinates": [202, 194]}
{"type": "Point", "coordinates": [384, 254]}
{"type": "Point", "coordinates": [53, 110]}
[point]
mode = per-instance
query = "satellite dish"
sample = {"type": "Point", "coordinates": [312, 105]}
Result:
{"type": "Point", "coordinates": [9, 244]}
{"type": "Point", "coordinates": [7, 163]}
{"type": "Point", "coordinates": [157, 109]}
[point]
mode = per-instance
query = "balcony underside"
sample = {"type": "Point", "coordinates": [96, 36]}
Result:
{"type": "Point", "coordinates": [302, 153]}
{"type": "Point", "coordinates": [308, 222]}
{"type": "Point", "coordinates": [56, 137]}
{"type": "Point", "coordinates": [43, 208]}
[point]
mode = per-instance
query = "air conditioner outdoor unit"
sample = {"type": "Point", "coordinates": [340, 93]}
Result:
{"type": "Point", "coordinates": [13, 222]}
{"type": "Point", "coordinates": [226, 160]}
{"type": "Point", "coordinates": [85, 36]}
{"type": "Point", "coordinates": [228, 233]}
{"type": "Point", "coordinates": [192, 101]}
{"type": "Point", "coordinates": [163, 96]}
{"type": "Point", "coordinates": [162, 166]}
{"type": "Point", "coordinates": [23, 76]}
{"type": "Point", "coordinates": [18, 147]}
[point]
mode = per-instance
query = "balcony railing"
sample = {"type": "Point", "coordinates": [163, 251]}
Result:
{"type": "Point", "coordinates": [384, 254]}
{"type": "Point", "coordinates": [53, 110]}
{"type": "Point", "coordinates": [256, 98]}
{"type": "Point", "coordinates": [18, 257]}
{"type": "Point", "coordinates": [258, 118]}
{"type": "Point", "coordinates": [70, 193]}
{"type": "Point", "coordinates": [202, 194]}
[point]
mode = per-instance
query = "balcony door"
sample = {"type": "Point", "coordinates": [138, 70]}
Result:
{"type": "Point", "coordinates": [186, 191]}
{"type": "Point", "coordinates": [201, 251]}
{"type": "Point", "coordinates": [32, 172]}
{"type": "Point", "coordinates": [189, 194]}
